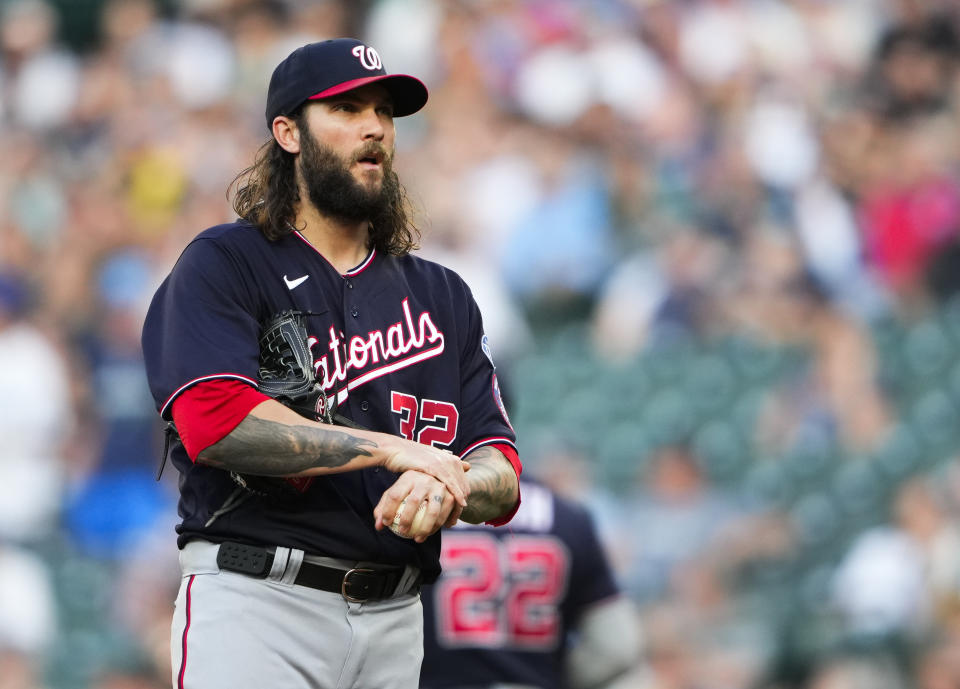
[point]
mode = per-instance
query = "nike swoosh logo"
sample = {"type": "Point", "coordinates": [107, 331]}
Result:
{"type": "Point", "coordinates": [292, 284]}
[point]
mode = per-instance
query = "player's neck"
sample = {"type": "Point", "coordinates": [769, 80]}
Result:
{"type": "Point", "coordinates": [343, 244]}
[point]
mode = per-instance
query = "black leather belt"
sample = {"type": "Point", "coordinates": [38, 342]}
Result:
{"type": "Point", "coordinates": [357, 585]}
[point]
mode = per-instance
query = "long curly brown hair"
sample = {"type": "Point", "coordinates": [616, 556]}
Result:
{"type": "Point", "coordinates": [267, 195]}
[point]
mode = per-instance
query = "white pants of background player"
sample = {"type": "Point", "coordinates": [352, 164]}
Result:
{"type": "Point", "coordinates": [231, 631]}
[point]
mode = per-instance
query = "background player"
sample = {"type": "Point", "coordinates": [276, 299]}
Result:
{"type": "Point", "coordinates": [301, 585]}
{"type": "Point", "coordinates": [530, 605]}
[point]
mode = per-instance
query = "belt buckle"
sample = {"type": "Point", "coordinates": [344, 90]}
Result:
{"type": "Point", "coordinates": [346, 581]}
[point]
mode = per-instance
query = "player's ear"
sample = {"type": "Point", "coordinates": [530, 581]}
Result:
{"type": "Point", "coordinates": [286, 133]}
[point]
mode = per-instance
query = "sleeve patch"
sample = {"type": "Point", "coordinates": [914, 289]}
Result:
{"type": "Point", "coordinates": [498, 398]}
{"type": "Point", "coordinates": [485, 346]}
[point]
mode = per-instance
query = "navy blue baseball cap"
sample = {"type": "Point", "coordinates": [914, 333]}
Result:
{"type": "Point", "coordinates": [327, 68]}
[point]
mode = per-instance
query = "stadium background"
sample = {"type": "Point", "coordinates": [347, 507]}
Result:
{"type": "Point", "coordinates": [716, 243]}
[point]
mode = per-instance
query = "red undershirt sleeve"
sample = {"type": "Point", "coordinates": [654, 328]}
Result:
{"type": "Point", "coordinates": [209, 410]}
{"type": "Point", "coordinates": [514, 458]}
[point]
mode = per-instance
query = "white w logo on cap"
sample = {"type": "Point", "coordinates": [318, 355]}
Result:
{"type": "Point", "coordinates": [368, 57]}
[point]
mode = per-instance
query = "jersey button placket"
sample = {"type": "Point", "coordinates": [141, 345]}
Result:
{"type": "Point", "coordinates": [354, 311]}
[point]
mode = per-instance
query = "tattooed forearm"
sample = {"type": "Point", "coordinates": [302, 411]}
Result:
{"type": "Point", "coordinates": [493, 486]}
{"type": "Point", "coordinates": [269, 448]}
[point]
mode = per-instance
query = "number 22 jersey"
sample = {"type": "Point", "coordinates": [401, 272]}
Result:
{"type": "Point", "coordinates": [502, 610]}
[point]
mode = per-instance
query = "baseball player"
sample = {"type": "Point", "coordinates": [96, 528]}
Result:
{"type": "Point", "coordinates": [531, 605]}
{"type": "Point", "coordinates": [291, 576]}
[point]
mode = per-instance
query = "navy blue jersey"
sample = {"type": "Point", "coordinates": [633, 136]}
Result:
{"type": "Point", "coordinates": [399, 341]}
{"type": "Point", "coordinates": [503, 609]}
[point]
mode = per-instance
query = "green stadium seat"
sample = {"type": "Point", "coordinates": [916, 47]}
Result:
{"type": "Point", "coordinates": [861, 491]}
{"type": "Point", "coordinates": [899, 454]}
{"type": "Point", "coordinates": [952, 382]}
{"type": "Point", "coordinates": [811, 460]}
{"type": "Point", "coordinates": [669, 417]}
{"type": "Point", "coordinates": [722, 450]}
{"type": "Point", "coordinates": [667, 362]}
{"type": "Point", "coordinates": [622, 451]}
{"type": "Point", "coordinates": [817, 520]}
{"type": "Point", "coordinates": [84, 589]}
{"type": "Point", "coordinates": [934, 418]}
{"type": "Point", "coordinates": [927, 350]}
{"type": "Point", "coordinates": [950, 318]}
{"type": "Point", "coordinates": [745, 409]}
{"type": "Point", "coordinates": [627, 385]}
{"type": "Point", "coordinates": [753, 361]}
{"type": "Point", "coordinates": [814, 589]}
{"type": "Point", "coordinates": [76, 658]}
{"type": "Point", "coordinates": [767, 485]}
{"type": "Point", "coordinates": [710, 383]}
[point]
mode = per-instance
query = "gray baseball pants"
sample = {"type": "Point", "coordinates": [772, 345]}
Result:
{"type": "Point", "coordinates": [232, 631]}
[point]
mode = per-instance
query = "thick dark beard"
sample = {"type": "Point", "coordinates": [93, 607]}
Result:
{"type": "Point", "coordinates": [334, 191]}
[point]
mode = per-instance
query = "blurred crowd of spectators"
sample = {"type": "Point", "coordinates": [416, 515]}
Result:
{"type": "Point", "coordinates": [653, 170]}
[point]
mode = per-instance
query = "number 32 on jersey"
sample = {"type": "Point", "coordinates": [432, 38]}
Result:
{"type": "Point", "coordinates": [501, 593]}
{"type": "Point", "coordinates": [429, 422]}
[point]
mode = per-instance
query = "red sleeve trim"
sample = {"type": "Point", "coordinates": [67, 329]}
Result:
{"type": "Point", "coordinates": [166, 408]}
{"type": "Point", "coordinates": [209, 410]}
{"type": "Point", "coordinates": [488, 441]}
{"type": "Point", "coordinates": [511, 454]}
